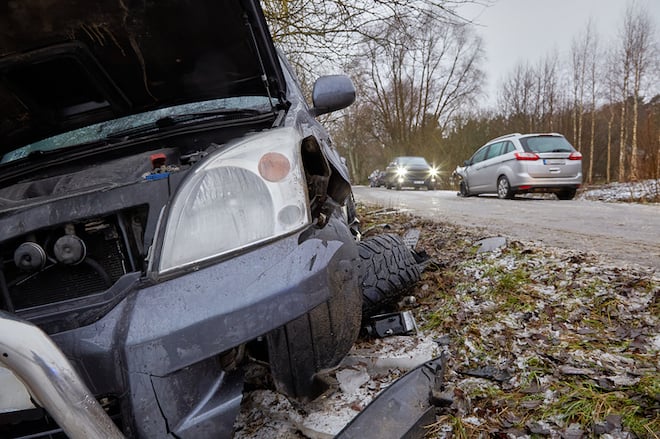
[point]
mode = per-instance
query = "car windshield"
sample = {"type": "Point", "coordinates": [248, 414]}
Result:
{"type": "Point", "coordinates": [413, 161]}
{"type": "Point", "coordinates": [105, 129]}
{"type": "Point", "coordinates": [541, 144]}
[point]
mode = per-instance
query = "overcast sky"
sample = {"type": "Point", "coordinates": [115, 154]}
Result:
{"type": "Point", "coordinates": [517, 31]}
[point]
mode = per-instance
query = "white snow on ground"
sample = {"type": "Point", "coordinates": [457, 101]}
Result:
{"type": "Point", "coordinates": [644, 191]}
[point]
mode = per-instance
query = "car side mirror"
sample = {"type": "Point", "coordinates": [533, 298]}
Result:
{"type": "Point", "coordinates": [332, 93]}
{"type": "Point", "coordinates": [466, 163]}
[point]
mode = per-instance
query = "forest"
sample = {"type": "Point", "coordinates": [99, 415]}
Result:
{"type": "Point", "coordinates": [419, 72]}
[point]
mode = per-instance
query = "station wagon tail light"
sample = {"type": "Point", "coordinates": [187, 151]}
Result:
{"type": "Point", "coordinates": [575, 156]}
{"type": "Point", "coordinates": [243, 195]}
{"type": "Point", "coordinates": [529, 156]}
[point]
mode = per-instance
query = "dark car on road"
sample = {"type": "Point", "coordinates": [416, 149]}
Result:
{"type": "Point", "coordinates": [170, 208]}
{"type": "Point", "coordinates": [410, 171]}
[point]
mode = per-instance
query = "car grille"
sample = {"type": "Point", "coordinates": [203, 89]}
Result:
{"type": "Point", "coordinates": [107, 259]}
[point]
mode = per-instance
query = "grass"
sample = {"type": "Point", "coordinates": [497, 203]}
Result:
{"type": "Point", "coordinates": [532, 311]}
{"type": "Point", "coordinates": [585, 403]}
{"type": "Point", "coordinates": [459, 428]}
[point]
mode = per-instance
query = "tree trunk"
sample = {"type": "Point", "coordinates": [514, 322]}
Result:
{"type": "Point", "coordinates": [610, 122]}
{"type": "Point", "coordinates": [622, 134]}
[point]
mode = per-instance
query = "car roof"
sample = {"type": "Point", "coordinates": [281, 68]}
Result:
{"type": "Point", "coordinates": [519, 135]}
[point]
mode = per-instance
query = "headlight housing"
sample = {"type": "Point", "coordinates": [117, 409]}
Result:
{"type": "Point", "coordinates": [434, 171]}
{"type": "Point", "coordinates": [248, 193]}
{"type": "Point", "coordinates": [401, 171]}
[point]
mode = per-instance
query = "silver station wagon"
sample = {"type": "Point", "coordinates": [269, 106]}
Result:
{"type": "Point", "coordinates": [523, 163]}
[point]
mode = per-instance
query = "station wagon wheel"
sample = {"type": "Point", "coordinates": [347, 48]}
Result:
{"type": "Point", "coordinates": [504, 188]}
{"type": "Point", "coordinates": [464, 190]}
{"type": "Point", "coordinates": [567, 194]}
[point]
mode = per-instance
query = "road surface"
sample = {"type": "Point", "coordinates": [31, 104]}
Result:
{"type": "Point", "coordinates": [620, 232]}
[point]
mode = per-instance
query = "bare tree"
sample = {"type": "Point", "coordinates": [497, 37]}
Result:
{"type": "Point", "coordinates": [315, 33]}
{"type": "Point", "coordinates": [516, 98]}
{"type": "Point", "coordinates": [641, 54]}
{"type": "Point", "coordinates": [611, 94]}
{"type": "Point", "coordinates": [548, 89]}
{"type": "Point", "coordinates": [625, 53]}
{"type": "Point", "coordinates": [421, 78]}
{"type": "Point", "coordinates": [581, 49]}
{"type": "Point", "coordinates": [584, 50]}
{"type": "Point", "coordinates": [593, 80]}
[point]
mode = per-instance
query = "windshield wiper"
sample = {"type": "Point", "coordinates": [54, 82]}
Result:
{"type": "Point", "coordinates": [170, 121]}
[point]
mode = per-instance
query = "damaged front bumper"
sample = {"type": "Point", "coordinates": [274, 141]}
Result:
{"type": "Point", "coordinates": [51, 380]}
{"type": "Point", "coordinates": [161, 361]}
{"type": "Point", "coordinates": [405, 409]}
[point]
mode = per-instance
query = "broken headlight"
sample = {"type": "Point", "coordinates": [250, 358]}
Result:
{"type": "Point", "coordinates": [244, 195]}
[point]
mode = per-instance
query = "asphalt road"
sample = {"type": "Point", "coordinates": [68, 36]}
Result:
{"type": "Point", "coordinates": [620, 232]}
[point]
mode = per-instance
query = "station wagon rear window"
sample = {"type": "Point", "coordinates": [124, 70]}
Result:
{"type": "Point", "coordinates": [541, 144]}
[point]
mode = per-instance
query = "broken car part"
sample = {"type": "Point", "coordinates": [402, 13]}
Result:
{"type": "Point", "coordinates": [403, 409]}
{"type": "Point", "coordinates": [386, 325]}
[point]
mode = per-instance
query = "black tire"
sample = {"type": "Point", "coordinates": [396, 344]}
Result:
{"type": "Point", "coordinates": [504, 188]}
{"type": "Point", "coordinates": [568, 194]}
{"type": "Point", "coordinates": [322, 337]}
{"type": "Point", "coordinates": [464, 190]}
{"type": "Point", "coordinates": [387, 268]}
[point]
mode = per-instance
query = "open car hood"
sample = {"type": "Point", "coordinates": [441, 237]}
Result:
{"type": "Point", "coordinates": [69, 64]}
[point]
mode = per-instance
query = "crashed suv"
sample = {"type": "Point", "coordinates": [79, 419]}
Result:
{"type": "Point", "coordinates": [169, 207]}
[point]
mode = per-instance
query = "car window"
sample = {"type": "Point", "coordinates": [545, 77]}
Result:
{"type": "Point", "coordinates": [541, 144]}
{"type": "Point", "coordinates": [494, 150]}
{"type": "Point", "coordinates": [508, 148]}
{"type": "Point", "coordinates": [480, 155]}
{"type": "Point", "coordinates": [420, 161]}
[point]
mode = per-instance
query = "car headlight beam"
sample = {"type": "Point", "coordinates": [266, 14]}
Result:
{"type": "Point", "coordinates": [249, 192]}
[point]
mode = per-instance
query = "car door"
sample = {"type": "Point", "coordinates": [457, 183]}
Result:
{"type": "Point", "coordinates": [490, 166]}
{"type": "Point", "coordinates": [474, 172]}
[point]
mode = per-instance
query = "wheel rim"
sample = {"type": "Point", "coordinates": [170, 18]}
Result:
{"type": "Point", "coordinates": [503, 188]}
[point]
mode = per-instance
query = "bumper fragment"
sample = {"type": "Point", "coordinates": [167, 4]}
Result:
{"type": "Point", "coordinates": [404, 409]}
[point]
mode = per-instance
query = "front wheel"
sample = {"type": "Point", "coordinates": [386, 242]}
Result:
{"type": "Point", "coordinates": [464, 190]}
{"type": "Point", "coordinates": [387, 269]}
{"type": "Point", "coordinates": [504, 188]}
